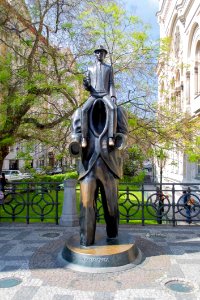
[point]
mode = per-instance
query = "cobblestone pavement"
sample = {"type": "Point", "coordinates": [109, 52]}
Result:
{"type": "Point", "coordinates": [30, 253]}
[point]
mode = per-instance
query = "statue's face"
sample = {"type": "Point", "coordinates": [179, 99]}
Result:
{"type": "Point", "coordinates": [100, 55]}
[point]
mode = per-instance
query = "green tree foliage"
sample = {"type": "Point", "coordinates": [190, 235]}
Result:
{"type": "Point", "coordinates": [130, 51]}
{"type": "Point", "coordinates": [40, 86]}
{"type": "Point", "coordinates": [45, 47]}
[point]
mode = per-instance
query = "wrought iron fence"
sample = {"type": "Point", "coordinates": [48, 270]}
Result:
{"type": "Point", "coordinates": [149, 205]}
{"type": "Point", "coordinates": [144, 204]}
{"type": "Point", "coordinates": [30, 201]}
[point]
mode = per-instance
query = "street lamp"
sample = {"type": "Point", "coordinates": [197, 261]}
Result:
{"type": "Point", "coordinates": [161, 160]}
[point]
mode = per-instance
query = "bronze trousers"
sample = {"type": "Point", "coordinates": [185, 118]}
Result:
{"type": "Point", "coordinates": [100, 177]}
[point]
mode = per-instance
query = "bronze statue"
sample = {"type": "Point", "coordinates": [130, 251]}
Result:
{"type": "Point", "coordinates": [99, 81]}
{"type": "Point", "coordinates": [99, 131]}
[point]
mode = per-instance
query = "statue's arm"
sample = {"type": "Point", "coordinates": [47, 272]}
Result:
{"type": "Point", "coordinates": [112, 91]}
{"type": "Point", "coordinates": [87, 81]}
{"type": "Point", "coordinates": [122, 128]}
{"type": "Point", "coordinates": [76, 124]}
{"type": "Point", "coordinates": [122, 120]}
{"type": "Point", "coordinates": [76, 134]}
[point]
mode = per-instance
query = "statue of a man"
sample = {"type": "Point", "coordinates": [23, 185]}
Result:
{"type": "Point", "coordinates": [100, 161]}
{"type": "Point", "coordinates": [99, 82]}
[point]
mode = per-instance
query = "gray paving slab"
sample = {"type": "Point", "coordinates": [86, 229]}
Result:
{"type": "Point", "coordinates": [169, 254]}
{"type": "Point", "coordinates": [26, 292]}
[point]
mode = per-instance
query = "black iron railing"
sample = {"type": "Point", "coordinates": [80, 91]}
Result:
{"type": "Point", "coordinates": [144, 204]}
{"type": "Point", "coordinates": [149, 205]}
{"type": "Point", "coordinates": [27, 202]}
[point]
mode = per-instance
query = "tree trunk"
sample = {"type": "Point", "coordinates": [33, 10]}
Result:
{"type": "Point", "coordinates": [4, 150]}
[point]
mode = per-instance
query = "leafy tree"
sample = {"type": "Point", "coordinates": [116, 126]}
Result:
{"type": "Point", "coordinates": [42, 62]}
{"type": "Point", "coordinates": [40, 86]}
{"type": "Point", "coordinates": [43, 54]}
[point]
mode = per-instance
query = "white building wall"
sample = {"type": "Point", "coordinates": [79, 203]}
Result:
{"type": "Point", "coordinates": [180, 20]}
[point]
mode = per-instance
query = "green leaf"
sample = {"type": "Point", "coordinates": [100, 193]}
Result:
{"type": "Point", "coordinates": [5, 76]}
{"type": "Point", "coordinates": [67, 26]}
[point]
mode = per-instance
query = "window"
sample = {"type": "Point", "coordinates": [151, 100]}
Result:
{"type": "Point", "coordinates": [188, 87]}
{"type": "Point", "coordinates": [177, 42]}
{"type": "Point", "coordinates": [197, 70]}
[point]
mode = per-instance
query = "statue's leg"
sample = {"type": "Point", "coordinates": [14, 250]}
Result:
{"type": "Point", "coordinates": [84, 120]}
{"type": "Point", "coordinates": [109, 194]}
{"type": "Point", "coordinates": [88, 210]}
{"type": "Point", "coordinates": [111, 214]}
{"type": "Point", "coordinates": [112, 118]}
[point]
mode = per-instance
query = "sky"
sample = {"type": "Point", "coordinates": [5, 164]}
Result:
{"type": "Point", "coordinates": [146, 10]}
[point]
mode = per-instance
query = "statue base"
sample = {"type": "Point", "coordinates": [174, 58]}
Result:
{"type": "Point", "coordinates": [106, 255]}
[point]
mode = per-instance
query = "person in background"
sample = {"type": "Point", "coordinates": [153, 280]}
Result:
{"type": "Point", "coordinates": [160, 197]}
{"type": "Point", "coordinates": [2, 187]}
{"type": "Point", "coordinates": [186, 197]}
{"type": "Point", "coordinates": [3, 182]}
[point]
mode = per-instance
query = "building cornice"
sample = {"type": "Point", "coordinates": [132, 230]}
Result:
{"type": "Point", "coordinates": [184, 9]}
{"type": "Point", "coordinates": [162, 8]}
{"type": "Point", "coordinates": [162, 13]}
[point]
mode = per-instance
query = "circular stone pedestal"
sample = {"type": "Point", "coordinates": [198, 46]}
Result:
{"type": "Point", "coordinates": [106, 255]}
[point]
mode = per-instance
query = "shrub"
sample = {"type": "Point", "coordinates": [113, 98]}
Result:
{"type": "Point", "coordinates": [53, 178]}
{"type": "Point", "coordinates": [139, 178]}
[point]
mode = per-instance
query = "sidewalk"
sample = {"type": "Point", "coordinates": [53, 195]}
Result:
{"type": "Point", "coordinates": [30, 252]}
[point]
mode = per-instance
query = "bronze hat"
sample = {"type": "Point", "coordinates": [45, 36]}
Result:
{"type": "Point", "coordinates": [101, 48]}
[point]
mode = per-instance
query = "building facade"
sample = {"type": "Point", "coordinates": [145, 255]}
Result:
{"type": "Point", "coordinates": [179, 78]}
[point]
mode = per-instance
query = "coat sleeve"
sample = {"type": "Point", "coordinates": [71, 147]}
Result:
{"type": "Point", "coordinates": [122, 129]}
{"type": "Point", "coordinates": [75, 144]}
{"type": "Point", "coordinates": [111, 84]}
{"type": "Point", "coordinates": [87, 81]}
{"type": "Point", "coordinates": [122, 121]}
{"type": "Point", "coordinates": [76, 126]}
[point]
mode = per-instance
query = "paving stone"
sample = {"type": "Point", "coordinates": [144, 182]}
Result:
{"type": "Point", "coordinates": [103, 296]}
{"type": "Point", "coordinates": [5, 248]}
{"type": "Point", "coordinates": [10, 268]}
{"type": "Point", "coordinates": [25, 293]}
{"type": "Point", "coordinates": [63, 297]}
{"type": "Point", "coordinates": [22, 235]}
{"type": "Point", "coordinates": [15, 257]}
{"type": "Point", "coordinates": [175, 271]}
{"type": "Point", "coordinates": [190, 296]}
{"type": "Point", "coordinates": [29, 256]}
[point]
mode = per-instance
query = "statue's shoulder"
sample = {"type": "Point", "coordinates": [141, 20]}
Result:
{"type": "Point", "coordinates": [91, 67]}
{"type": "Point", "coordinates": [77, 113]}
{"type": "Point", "coordinates": [121, 112]}
{"type": "Point", "coordinates": [121, 109]}
{"type": "Point", "coordinates": [106, 66]}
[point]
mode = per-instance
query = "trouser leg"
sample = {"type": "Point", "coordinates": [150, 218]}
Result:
{"type": "Point", "coordinates": [112, 117]}
{"type": "Point", "coordinates": [84, 116]}
{"type": "Point", "coordinates": [88, 210]}
{"type": "Point", "coordinates": [188, 214]}
{"type": "Point", "coordinates": [109, 193]}
{"type": "Point", "coordinates": [111, 215]}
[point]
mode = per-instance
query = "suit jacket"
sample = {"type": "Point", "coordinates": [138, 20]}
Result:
{"type": "Point", "coordinates": [107, 80]}
{"type": "Point", "coordinates": [98, 145]}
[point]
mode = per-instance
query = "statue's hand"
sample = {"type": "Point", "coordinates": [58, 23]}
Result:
{"type": "Point", "coordinates": [114, 99]}
{"type": "Point", "coordinates": [75, 149]}
{"type": "Point", "coordinates": [86, 84]}
{"type": "Point", "coordinates": [120, 141]}
{"type": "Point", "coordinates": [75, 145]}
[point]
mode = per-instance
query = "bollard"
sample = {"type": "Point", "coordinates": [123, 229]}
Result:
{"type": "Point", "coordinates": [69, 215]}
